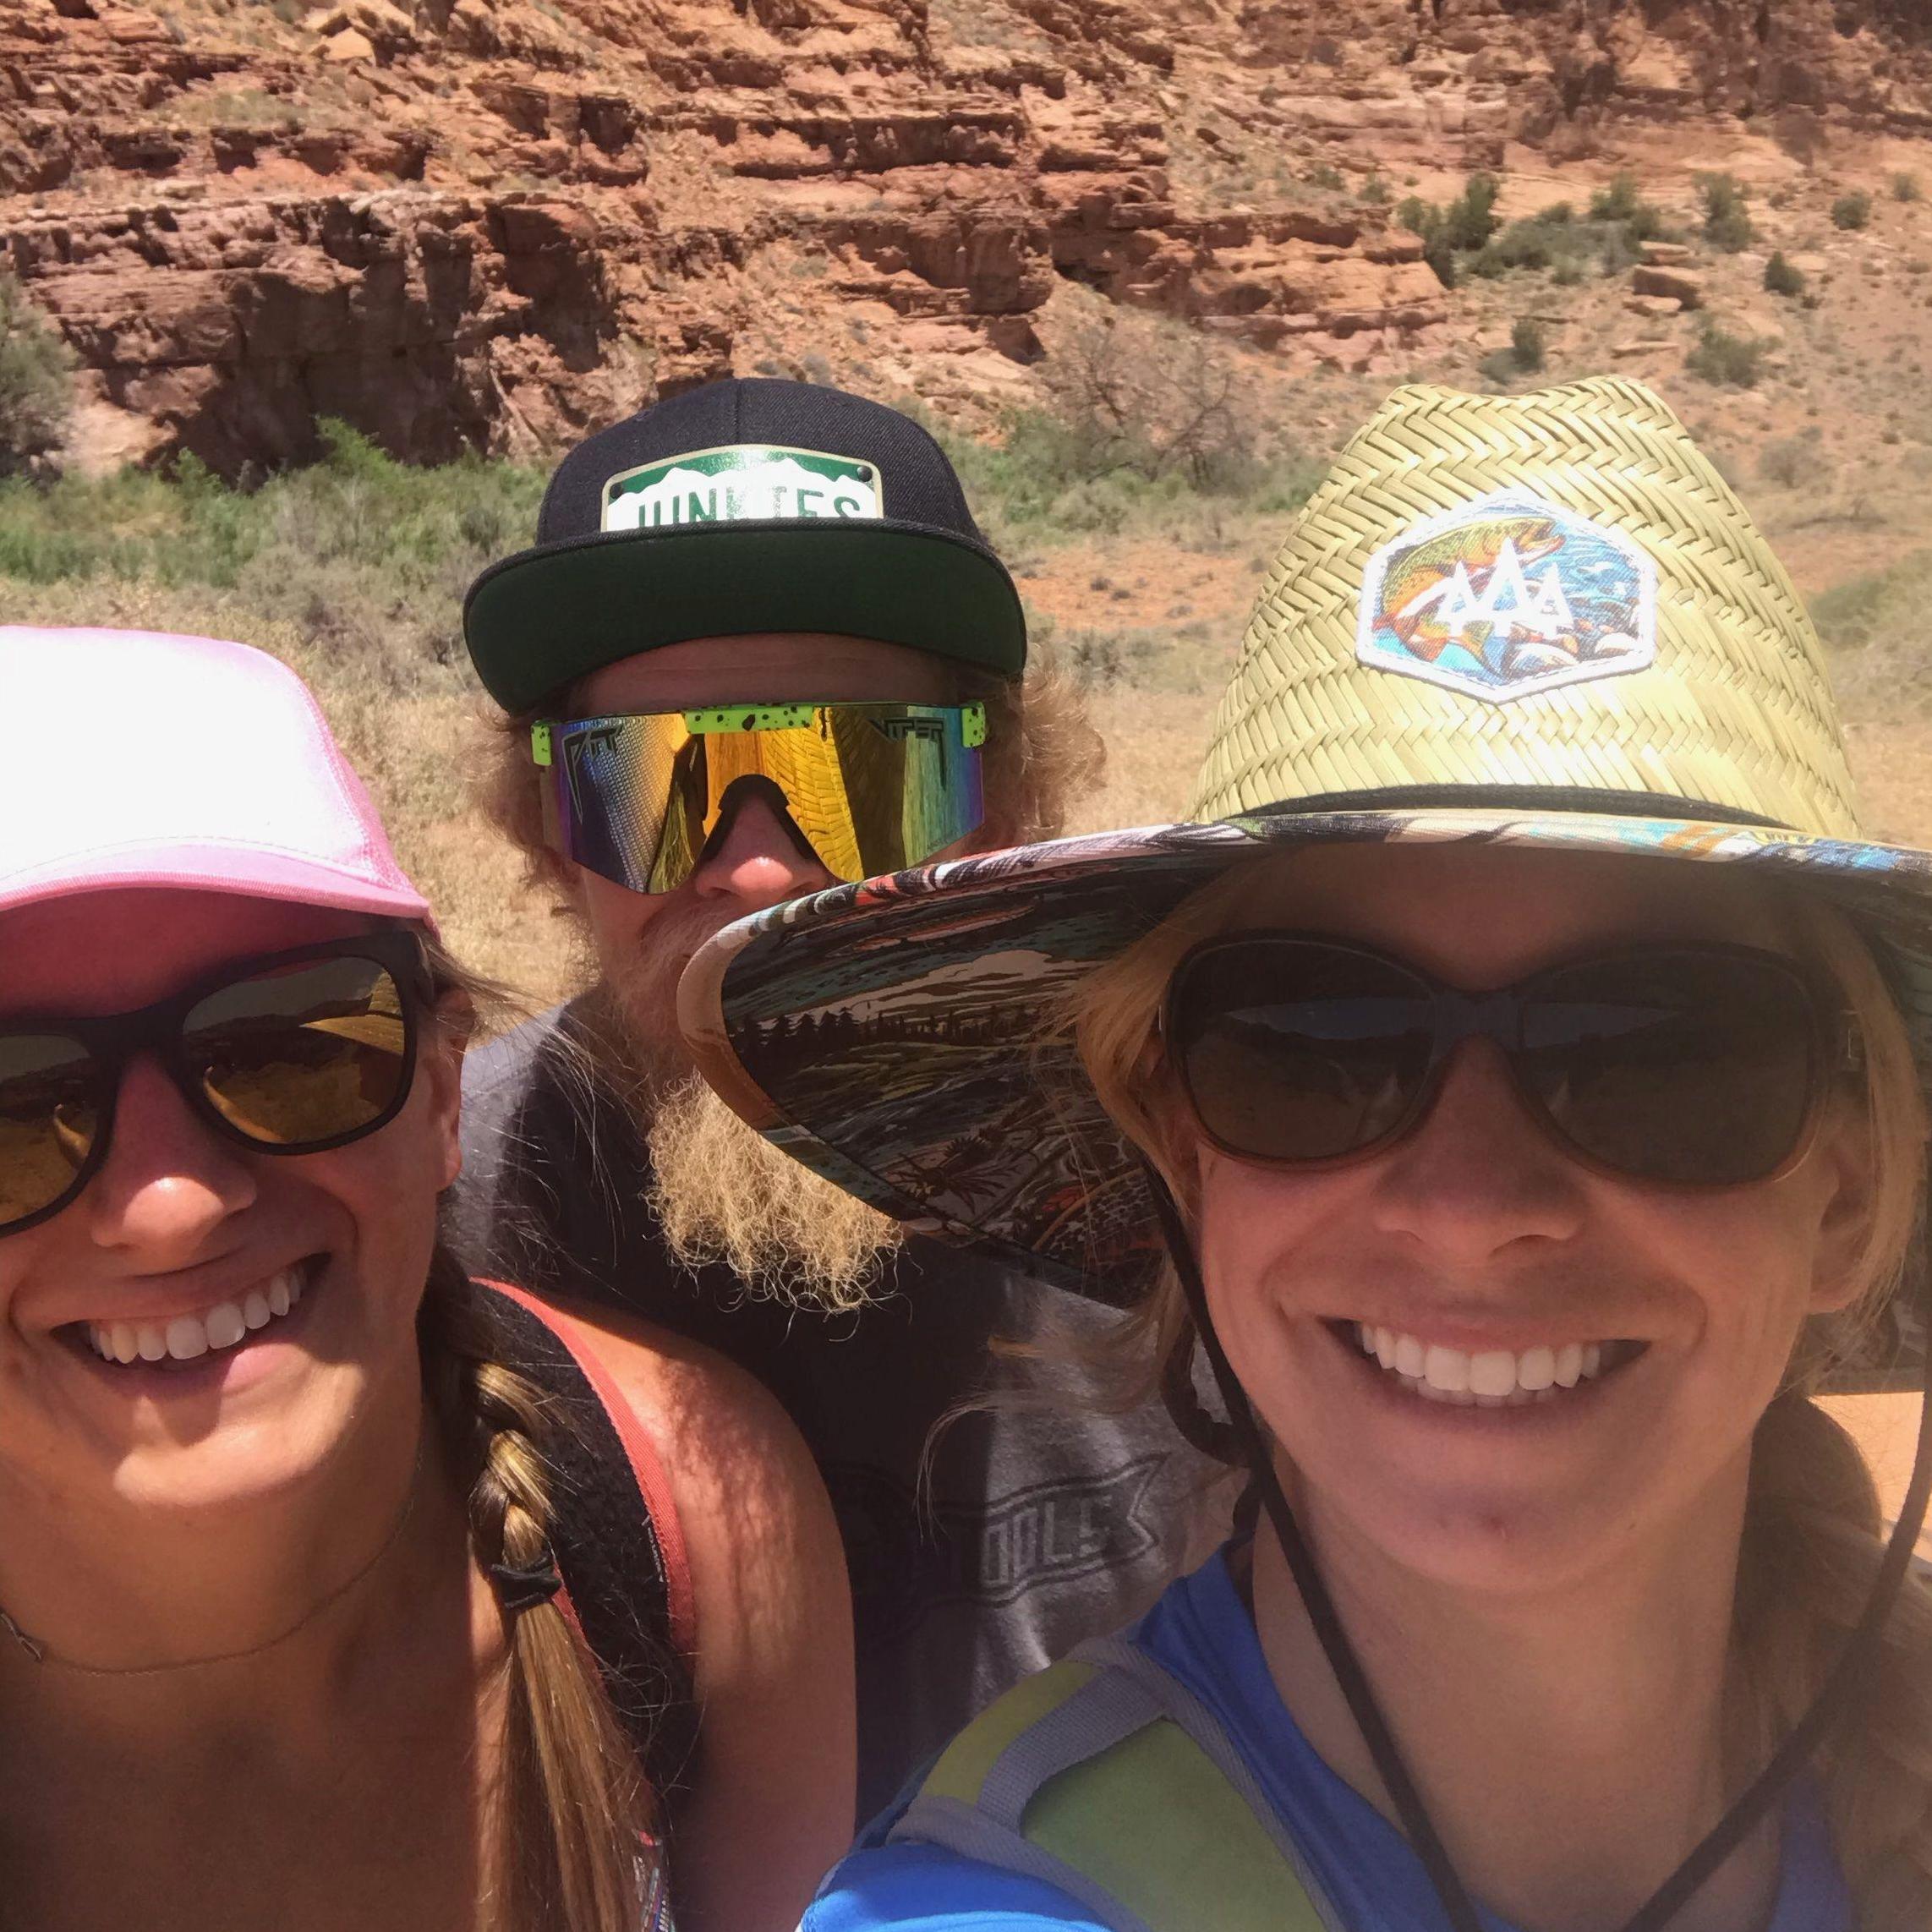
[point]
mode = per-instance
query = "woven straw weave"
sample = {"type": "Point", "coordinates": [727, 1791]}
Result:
{"type": "Point", "coordinates": [1735, 710]}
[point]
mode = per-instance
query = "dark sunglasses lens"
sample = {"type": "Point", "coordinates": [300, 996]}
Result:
{"type": "Point", "coordinates": [50, 1113]}
{"type": "Point", "coordinates": [301, 1055]}
{"type": "Point", "coordinates": [1292, 1050]}
{"type": "Point", "coordinates": [1696, 1068]}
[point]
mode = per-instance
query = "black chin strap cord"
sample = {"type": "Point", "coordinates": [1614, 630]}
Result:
{"type": "Point", "coordinates": [1320, 1607]}
{"type": "Point", "coordinates": [1848, 1680]}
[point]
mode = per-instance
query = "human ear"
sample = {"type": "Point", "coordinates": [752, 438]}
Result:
{"type": "Point", "coordinates": [1845, 1157]}
{"type": "Point", "coordinates": [445, 1040]}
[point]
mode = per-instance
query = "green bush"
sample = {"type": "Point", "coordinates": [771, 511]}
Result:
{"type": "Point", "coordinates": [1527, 344]}
{"type": "Point", "coordinates": [36, 382]}
{"type": "Point", "coordinates": [1726, 222]}
{"type": "Point", "coordinates": [1621, 203]}
{"type": "Point", "coordinates": [1524, 355]}
{"type": "Point", "coordinates": [1851, 211]}
{"type": "Point", "coordinates": [1461, 226]}
{"type": "Point", "coordinates": [1905, 188]}
{"type": "Point", "coordinates": [1555, 240]}
{"type": "Point", "coordinates": [1734, 361]}
{"type": "Point", "coordinates": [1781, 278]}
{"type": "Point", "coordinates": [1849, 615]}
{"type": "Point", "coordinates": [358, 551]}
{"type": "Point", "coordinates": [1147, 424]}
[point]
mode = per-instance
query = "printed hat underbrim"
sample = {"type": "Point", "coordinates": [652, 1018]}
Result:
{"type": "Point", "coordinates": [900, 1036]}
{"type": "Point", "coordinates": [539, 621]}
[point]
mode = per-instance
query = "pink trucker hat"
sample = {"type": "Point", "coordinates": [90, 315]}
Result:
{"type": "Point", "coordinates": [138, 760]}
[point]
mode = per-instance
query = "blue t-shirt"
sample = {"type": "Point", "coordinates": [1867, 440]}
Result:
{"type": "Point", "coordinates": [1201, 1632]}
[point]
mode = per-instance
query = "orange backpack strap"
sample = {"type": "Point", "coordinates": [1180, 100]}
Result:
{"type": "Point", "coordinates": [615, 1533]}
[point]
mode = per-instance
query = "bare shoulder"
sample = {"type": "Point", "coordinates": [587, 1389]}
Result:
{"type": "Point", "coordinates": [711, 1423]}
{"type": "Point", "coordinates": [773, 1648]}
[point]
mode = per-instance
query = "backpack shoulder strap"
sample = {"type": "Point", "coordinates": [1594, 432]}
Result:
{"type": "Point", "coordinates": [1105, 1776]}
{"type": "Point", "coordinates": [616, 1536]}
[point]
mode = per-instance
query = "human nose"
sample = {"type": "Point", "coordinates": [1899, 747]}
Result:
{"type": "Point", "coordinates": [168, 1182]}
{"type": "Point", "coordinates": [759, 862]}
{"type": "Point", "coordinates": [1479, 1171]}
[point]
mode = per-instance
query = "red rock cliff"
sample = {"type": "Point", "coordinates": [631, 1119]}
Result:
{"type": "Point", "coordinates": [483, 223]}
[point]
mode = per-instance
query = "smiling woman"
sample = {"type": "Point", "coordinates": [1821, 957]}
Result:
{"type": "Point", "coordinates": [418, 1587]}
{"type": "Point", "coordinates": [1518, 1077]}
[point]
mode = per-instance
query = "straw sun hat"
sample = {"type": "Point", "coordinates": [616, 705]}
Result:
{"type": "Point", "coordinates": [1541, 620]}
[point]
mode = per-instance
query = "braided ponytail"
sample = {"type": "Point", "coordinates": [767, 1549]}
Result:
{"type": "Point", "coordinates": [570, 1856]}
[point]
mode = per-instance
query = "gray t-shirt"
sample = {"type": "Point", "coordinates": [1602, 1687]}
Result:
{"type": "Point", "coordinates": [1037, 1525]}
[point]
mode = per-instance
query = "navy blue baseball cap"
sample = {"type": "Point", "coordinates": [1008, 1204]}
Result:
{"type": "Point", "coordinates": [745, 505]}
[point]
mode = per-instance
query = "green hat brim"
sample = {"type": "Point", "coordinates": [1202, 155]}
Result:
{"type": "Point", "coordinates": [542, 619]}
{"type": "Point", "coordinates": [893, 1035]}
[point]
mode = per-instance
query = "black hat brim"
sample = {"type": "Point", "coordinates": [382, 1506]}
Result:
{"type": "Point", "coordinates": [540, 620]}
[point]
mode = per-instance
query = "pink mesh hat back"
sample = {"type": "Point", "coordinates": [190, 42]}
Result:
{"type": "Point", "coordinates": [138, 759]}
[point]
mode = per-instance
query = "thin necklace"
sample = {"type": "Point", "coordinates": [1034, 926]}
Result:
{"type": "Point", "coordinates": [41, 1654]}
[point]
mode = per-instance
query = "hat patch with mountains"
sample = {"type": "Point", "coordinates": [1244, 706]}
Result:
{"type": "Point", "coordinates": [742, 483]}
{"type": "Point", "coordinates": [1508, 596]}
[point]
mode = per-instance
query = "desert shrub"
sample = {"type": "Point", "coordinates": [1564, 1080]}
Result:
{"type": "Point", "coordinates": [1524, 356]}
{"type": "Point", "coordinates": [1790, 461]}
{"type": "Point", "coordinates": [1905, 188]}
{"type": "Point", "coordinates": [1726, 221]}
{"type": "Point", "coordinates": [1557, 240]}
{"type": "Point", "coordinates": [360, 554]}
{"type": "Point", "coordinates": [1527, 344]}
{"type": "Point", "coordinates": [1876, 626]}
{"type": "Point", "coordinates": [1096, 660]}
{"type": "Point", "coordinates": [1145, 423]}
{"type": "Point", "coordinates": [1720, 357]}
{"type": "Point", "coordinates": [1498, 370]}
{"type": "Point", "coordinates": [36, 382]}
{"type": "Point", "coordinates": [1622, 204]}
{"type": "Point", "coordinates": [1781, 278]}
{"type": "Point", "coordinates": [1852, 210]}
{"type": "Point", "coordinates": [1460, 226]}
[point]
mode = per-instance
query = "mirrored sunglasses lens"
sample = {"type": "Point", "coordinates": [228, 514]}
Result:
{"type": "Point", "coordinates": [50, 1113]}
{"type": "Point", "coordinates": [304, 1053]}
{"type": "Point", "coordinates": [614, 781]}
{"type": "Point", "coordinates": [1694, 1069]}
{"type": "Point", "coordinates": [911, 786]}
{"type": "Point", "coordinates": [870, 788]}
{"type": "Point", "coordinates": [1297, 1052]}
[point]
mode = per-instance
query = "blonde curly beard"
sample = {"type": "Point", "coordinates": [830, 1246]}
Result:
{"type": "Point", "coordinates": [722, 1193]}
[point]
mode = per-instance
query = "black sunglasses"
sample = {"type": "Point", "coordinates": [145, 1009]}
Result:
{"type": "Point", "coordinates": [1696, 1066]}
{"type": "Point", "coordinates": [293, 1053]}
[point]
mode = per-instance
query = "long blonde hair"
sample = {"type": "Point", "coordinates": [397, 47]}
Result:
{"type": "Point", "coordinates": [1813, 1535]}
{"type": "Point", "coordinates": [573, 1811]}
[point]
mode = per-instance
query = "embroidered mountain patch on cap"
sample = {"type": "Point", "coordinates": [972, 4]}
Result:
{"type": "Point", "coordinates": [1507, 596]}
{"type": "Point", "coordinates": [740, 484]}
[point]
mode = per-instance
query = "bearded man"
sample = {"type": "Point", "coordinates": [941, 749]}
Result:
{"type": "Point", "coordinates": [761, 646]}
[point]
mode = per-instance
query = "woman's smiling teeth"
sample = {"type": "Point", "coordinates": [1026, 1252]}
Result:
{"type": "Point", "coordinates": [182, 1337]}
{"type": "Point", "coordinates": [1491, 1378]}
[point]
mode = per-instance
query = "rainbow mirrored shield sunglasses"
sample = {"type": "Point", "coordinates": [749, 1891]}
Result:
{"type": "Point", "coordinates": [865, 788]}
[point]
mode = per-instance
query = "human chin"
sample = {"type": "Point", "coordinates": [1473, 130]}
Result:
{"type": "Point", "coordinates": [1598, 1436]}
